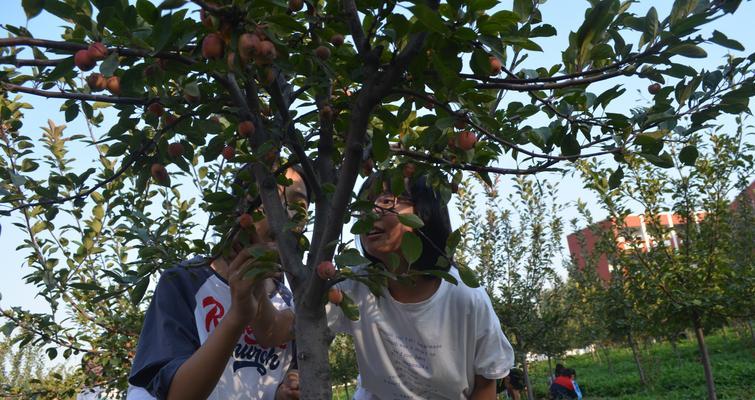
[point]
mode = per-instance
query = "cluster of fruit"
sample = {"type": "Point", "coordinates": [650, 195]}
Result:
{"type": "Point", "coordinates": [86, 60]}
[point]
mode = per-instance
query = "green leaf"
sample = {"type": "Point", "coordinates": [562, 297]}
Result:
{"type": "Point", "coordinates": [51, 353]}
{"type": "Point", "coordinates": [110, 64]}
{"type": "Point", "coordinates": [411, 220]}
{"type": "Point", "coordinates": [468, 276]}
{"type": "Point", "coordinates": [147, 10]}
{"type": "Point", "coordinates": [429, 18]}
{"type": "Point", "coordinates": [688, 155]}
{"type": "Point", "coordinates": [721, 39]}
{"type": "Point", "coordinates": [523, 8]}
{"type": "Point", "coordinates": [350, 257]}
{"type": "Point", "coordinates": [664, 160]}
{"type": "Point", "coordinates": [349, 308]}
{"type": "Point", "coordinates": [411, 247]}
{"type": "Point", "coordinates": [688, 50]}
{"type": "Point", "coordinates": [8, 328]}
{"type": "Point", "coordinates": [380, 146]}
{"type": "Point", "coordinates": [614, 181]}
{"type": "Point", "coordinates": [72, 111]}
{"type": "Point", "coordinates": [137, 293]}
{"type": "Point", "coordinates": [85, 286]}
{"type": "Point", "coordinates": [442, 274]}
{"type": "Point", "coordinates": [362, 226]}
{"type": "Point", "coordinates": [649, 138]}
{"type": "Point", "coordinates": [570, 146]}
{"type": "Point", "coordinates": [32, 8]}
{"type": "Point", "coordinates": [171, 4]}
{"type": "Point", "coordinates": [286, 21]}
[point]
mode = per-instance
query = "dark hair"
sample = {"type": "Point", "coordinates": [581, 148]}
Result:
{"type": "Point", "coordinates": [245, 204]}
{"type": "Point", "coordinates": [559, 369]}
{"type": "Point", "coordinates": [429, 207]}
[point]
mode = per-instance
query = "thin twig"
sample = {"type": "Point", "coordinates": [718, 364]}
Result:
{"type": "Point", "coordinates": [76, 96]}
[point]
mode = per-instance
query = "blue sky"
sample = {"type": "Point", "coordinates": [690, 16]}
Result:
{"type": "Point", "coordinates": [565, 15]}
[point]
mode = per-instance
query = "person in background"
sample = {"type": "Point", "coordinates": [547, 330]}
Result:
{"type": "Point", "coordinates": [562, 387]}
{"type": "Point", "coordinates": [514, 383]}
{"type": "Point", "coordinates": [573, 374]}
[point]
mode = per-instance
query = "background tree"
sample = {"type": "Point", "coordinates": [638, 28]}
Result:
{"type": "Point", "coordinates": [512, 244]}
{"type": "Point", "coordinates": [689, 275]}
{"type": "Point", "coordinates": [412, 89]}
{"type": "Point", "coordinates": [23, 374]}
{"type": "Point", "coordinates": [343, 362]}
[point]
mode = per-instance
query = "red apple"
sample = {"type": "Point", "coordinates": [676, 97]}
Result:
{"type": "Point", "coordinates": [249, 46]}
{"type": "Point", "coordinates": [156, 109]}
{"type": "Point", "coordinates": [176, 149]}
{"type": "Point", "coordinates": [97, 51]}
{"type": "Point", "coordinates": [466, 140]}
{"type": "Point", "coordinates": [212, 46]}
{"type": "Point", "coordinates": [295, 5]}
{"type": "Point", "coordinates": [246, 221]}
{"type": "Point", "coordinates": [336, 40]}
{"type": "Point", "coordinates": [229, 152]}
{"type": "Point", "coordinates": [245, 128]}
{"type": "Point", "coordinates": [326, 270]}
{"type": "Point", "coordinates": [335, 296]}
{"type": "Point", "coordinates": [84, 60]}
{"type": "Point", "coordinates": [96, 82]}
{"type": "Point", "coordinates": [170, 119]}
{"type": "Point", "coordinates": [495, 66]}
{"type": "Point", "coordinates": [322, 53]}
{"type": "Point", "coordinates": [160, 174]}
{"type": "Point", "coordinates": [114, 85]}
{"type": "Point", "coordinates": [267, 53]}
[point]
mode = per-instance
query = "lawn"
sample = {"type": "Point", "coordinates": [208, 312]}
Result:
{"type": "Point", "coordinates": [671, 377]}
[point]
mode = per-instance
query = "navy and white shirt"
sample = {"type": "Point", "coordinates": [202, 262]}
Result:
{"type": "Point", "coordinates": [188, 304]}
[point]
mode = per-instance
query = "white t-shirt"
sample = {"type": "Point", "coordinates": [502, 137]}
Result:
{"type": "Point", "coordinates": [427, 350]}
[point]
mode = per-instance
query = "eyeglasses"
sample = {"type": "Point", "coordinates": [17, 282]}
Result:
{"type": "Point", "coordinates": [389, 202]}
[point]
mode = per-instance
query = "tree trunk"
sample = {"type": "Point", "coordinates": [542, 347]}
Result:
{"type": "Point", "coordinates": [675, 349]}
{"type": "Point", "coordinates": [551, 374]}
{"type": "Point", "coordinates": [636, 354]}
{"type": "Point", "coordinates": [346, 387]}
{"type": "Point", "coordinates": [525, 367]}
{"type": "Point", "coordinates": [710, 384]}
{"type": "Point", "coordinates": [608, 359]}
{"type": "Point", "coordinates": [312, 342]}
{"type": "Point", "coordinates": [752, 332]}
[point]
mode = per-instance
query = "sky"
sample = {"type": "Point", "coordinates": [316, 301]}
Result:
{"type": "Point", "coordinates": [564, 15]}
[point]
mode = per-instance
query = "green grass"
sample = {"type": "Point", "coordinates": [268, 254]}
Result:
{"type": "Point", "coordinates": [671, 377]}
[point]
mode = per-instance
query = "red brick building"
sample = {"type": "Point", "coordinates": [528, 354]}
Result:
{"type": "Point", "coordinates": [635, 236]}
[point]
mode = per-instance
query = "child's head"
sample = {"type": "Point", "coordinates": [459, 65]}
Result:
{"type": "Point", "coordinates": [418, 198]}
{"type": "Point", "coordinates": [294, 196]}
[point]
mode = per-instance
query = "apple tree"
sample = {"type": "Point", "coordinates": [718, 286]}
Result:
{"type": "Point", "coordinates": [182, 94]}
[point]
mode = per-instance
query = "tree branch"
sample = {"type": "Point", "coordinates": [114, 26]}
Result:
{"type": "Point", "coordinates": [131, 159]}
{"type": "Point", "coordinates": [33, 63]}
{"type": "Point", "coordinates": [355, 26]}
{"type": "Point", "coordinates": [76, 96]}
{"type": "Point", "coordinates": [478, 168]}
{"type": "Point", "coordinates": [517, 87]}
{"type": "Point", "coordinates": [73, 47]}
{"type": "Point", "coordinates": [278, 97]}
{"type": "Point", "coordinates": [276, 216]}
